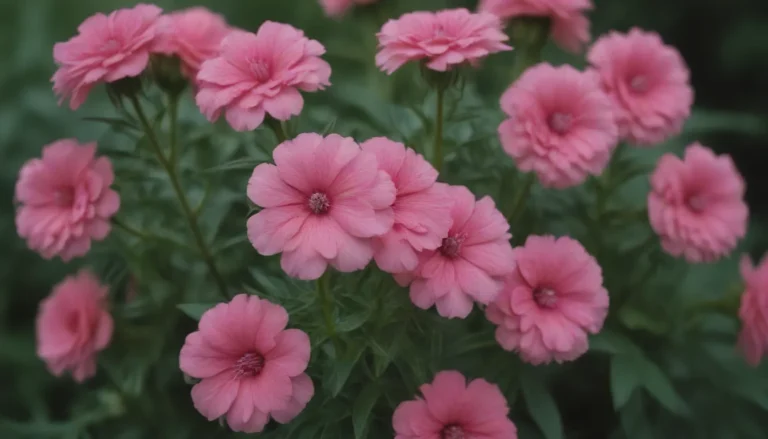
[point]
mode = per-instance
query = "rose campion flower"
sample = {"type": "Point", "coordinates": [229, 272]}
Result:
{"type": "Point", "coordinates": [696, 205]}
{"type": "Point", "coordinates": [648, 83]}
{"type": "Point", "coordinates": [65, 200]}
{"type": "Point", "coordinates": [560, 125]}
{"type": "Point", "coordinates": [259, 74]}
{"type": "Point", "coordinates": [107, 48]}
{"type": "Point", "coordinates": [323, 201]}
{"type": "Point", "coordinates": [73, 325]}
{"type": "Point", "coordinates": [471, 263]}
{"type": "Point", "coordinates": [422, 207]}
{"type": "Point", "coordinates": [451, 408]}
{"type": "Point", "coordinates": [336, 8]}
{"type": "Point", "coordinates": [251, 367]}
{"type": "Point", "coordinates": [442, 39]}
{"type": "Point", "coordinates": [753, 312]}
{"type": "Point", "coordinates": [550, 302]}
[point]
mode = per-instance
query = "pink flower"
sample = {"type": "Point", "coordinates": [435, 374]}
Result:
{"type": "Point", "coordinates": [696, 205]}
{"type": "Point", "coordinates": [65, 200]}
{"type": "Point", "coordinates": [453, 409]}
{"type": "Point", "coordinates": [336, 8]}
{"type": "Point", "coordinates": [251, 367]}
{"type": "Point", "coordinates": [471, 262]}
{"type": "Point", "coordinates": [753, 338]}
{"type": "Point", "coordinates": [442, 39]}
{"type": "Point", "coordinates": [560, 125]}
{"type": "Point", "coordinates": [422, 207]}
{"type": "Point", "coordinates": [259, 74]}
{"type": "Point", "coordinates": [550, 303]}
{"type": "Point", "coordinates": [322, 203]}
{"type": "Point", "coordinates": [73, 325]}
{"type": "Point", "coordinates": [106, 49]}
{"type": "Point", "coordinates": [648, 83]}
{"type": "Point", "coordinates": [568, 24]}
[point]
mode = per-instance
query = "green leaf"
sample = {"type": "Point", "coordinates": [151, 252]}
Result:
{"type": "Point", "coordinates": [244, 163]}
{"type": "Point", "coordinates": [195, 310]}
{"type": "Point", "coordinates": [661, 388]}
{"type": "Point", "coordinates": [626, 376]}
{"type": "Point", "coordinates": [637, 319]}
{"type": "Point", "coordinates": [541, 405]}
{"type": "Point", "coordinates": [338, 369]}
{"type": "Point", "coordinates": [361, 411]}
{"type": "Point", "coordinates": [612, 342]}
{"type": "Point", "coordinates": [352, 322]}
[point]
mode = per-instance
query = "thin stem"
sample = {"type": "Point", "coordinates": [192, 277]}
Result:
{"type": "Point", "coordinates": [129, 229]}
{"type": "Point", "coordinates": [277, 127]}
{"type": "Point", "coordinates": [327, 304]}
{"type": "Point", "coordinates": [437, 152]}
{"type": "Point", "coordinates": [173, 113]}
{"type": "Point", "coordinates": [521, 196]}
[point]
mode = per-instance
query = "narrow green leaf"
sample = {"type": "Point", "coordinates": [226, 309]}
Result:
{"type": "Point", "coordinates": [626, 376]}
{"type": "Point", "coordinates": [244, 163]}
{"type": "Point", "coordinates": [660, 387]}
{"type": "Point", "coordinates": [361, 411]}
{"type": "Point", "coordinates": [195, 310]}
{"type": "Point", "coordinates": [541, 405]}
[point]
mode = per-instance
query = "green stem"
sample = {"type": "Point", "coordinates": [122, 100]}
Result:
{"type": "Point", "coordinates": [277, 127]}
{"type": "Point", "coordinates": [129, 229]}
{"type": "Point", "coordinates": [521, 196]}
{"type": "Point", "coordinates": [173, 113]}
{"type": "Point", "coordinates": [529, 35]}
{"type": "Point", "coordinates": [437, 152]}
{"type": "Point", "coordinates": [327, 305]}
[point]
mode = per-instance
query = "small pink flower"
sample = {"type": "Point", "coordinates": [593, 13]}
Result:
{"type": "Point", "coordinates": [65, 200]}
{"type": "Point", "coordinates": [73, 325]}
{"type": "Point", "coordinates": [251, 367]}
{"type": "Point", "coordinates": [648, 83]}
{"type": "Point", "coordinates": [696, 205]}
{"type": "Point", "coordinates": [442, 39]}
{"type": "Point", "coordinates": [471, 262]}
{"type": "Point", "coordinates": [753, 338]}
{"type": "Point", "coordinates": [106, 49]}
{"type": "Point", "coordinates": [560, 125]}
{"type": "Point", "coordinates": [550, 302]}
{"type": "Point", "coordinates": [259, 74]}
{"type": "Point", "coordinates": [422, 207]}
{"type": "Point", "coordinates": [451, 408]}
{"type": "Point", "coordinates": [322, 203]}
{"type": "Point", "coordinates": [337, 8]}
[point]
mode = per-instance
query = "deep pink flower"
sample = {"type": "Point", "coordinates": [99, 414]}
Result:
{"type": "Point", "coordinates": [471, 263]}
{"type": "Point", "coordinates": [106, 49]}
{"type": "Point", "coordinates": [696, 205]}
{"type": "Point", "coordinates": [550, 302]}
{"type": "Point", "coordinates": [65, 200]}
{"type": "Point", "coordinates": [648, 83]}
{"type": "Point", "coordinates": [442, 39]}
{"type": "Point", "coordinates": [73, 325]}
{"type": "Point", "coordinates": [422, 207]}
{"type": "Point", "coordinates": [753, 338]}
{"type": "Point", "coordinates": [259, 74]}
{"type": "Point", "coordinates": [251, 367]}
{"type": "Point", "coordinates": [336, 8]}
{"type": "Point", "coordinates": [451, 408]}
{"type": "Point", "coordinates": [560, 125]}
{"type": "Point", "coordinates": [322, 203]}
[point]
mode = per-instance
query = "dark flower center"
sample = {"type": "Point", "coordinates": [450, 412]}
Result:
{"type": "Point", "coordinates": [560, 123]}
{"type": "Point", "coordinates": [261, 70]}
{"type": "Point", "coordinates": [452, 245]}
{"type": "Point", "coordinates": [64, 197]}
{"type": "Point", "coordinates": [452, 431]}
{"type": "Point", "coordinates": [545, 297]}
{"type": "Point", "coordinates": [249, 365]}
{"type": "Point", "coordinates": [72, 322]}
{"type": "Point", "coordinates": [697, 203]}
{"type": "Point", "coordinates": [319, 203]}
{"type": "Point", "coordinates": [639, 83]}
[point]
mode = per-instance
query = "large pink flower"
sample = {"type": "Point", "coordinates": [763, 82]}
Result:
{"type": "Point", "coordinates": [422, 207]}
{"type": "Point", "coordinates": [648, 83]}
{"type": "Point", "coordinates": [471, 263]}
{"type": "Point", "coordinates": [442, 39]}
{"type": "Point", "coordinates": [322, 203]}
{"type": "Point", "coordinates": [451, 408]}
{"type": "Point", "coordinates": [251, 367]}
{"type": "Point", "coordinates": [106, 49]}
{"type": "Point", "coordinates": [696, 205]}
{"type": "Point", "coordinates": [560, 125]}
{"type": "Point", "coordinates": [550, 302]}
{"type": "Point", "coordinates": [73, 325]}
{"type": "Point", "coordinates": [753, 338]}
{"type": "Point", "coordinates": [259, 74]}
{"type": "Point", "coordinates": [65, 200]}
{"type": "Point", "coordinates": [336, 8]}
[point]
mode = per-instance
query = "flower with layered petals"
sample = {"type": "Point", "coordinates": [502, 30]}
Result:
{"type": "Point", "coordinates": [336, 8]}
{"type": "Point", "coordinates": [753, 312]}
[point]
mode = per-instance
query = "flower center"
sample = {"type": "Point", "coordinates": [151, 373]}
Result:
{"type": "Point", "coordinates": [560, 122]}
{"type": "Point", "coordinates": [72, 322]}
{"type": "Point", "coordinates": [639, 83]}
{"type": "Point", "coordinates": [545, 297]}
{"type": "Point", "coordinates": [110, 45]}
{"type": "Point", "coordinates": [696, 203]}
{"type": "Point", "coordinates": [452, 245]}
{"type": "Point", "coordinates": [319, 203]}
{"type": "Point", "coordinates": [64, 197]}
{"type": "Point", "coordinates": [452, 431]}
{"type": "Point", "coordinates": [261, 70]}
{"type": "Point", "coordinates": [249, 365]}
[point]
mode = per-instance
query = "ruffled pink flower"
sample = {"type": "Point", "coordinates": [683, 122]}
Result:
{"type": "Point", "coordinates": [422, 207]}
{"type": "Point", "coordinates": [753, 338]}
{"type": "Point", "coordinates": [106, 49]}
{"type": "Point", "coordinates": [73, 325]}
{"type": "Point", "coordinates": [251, 367]}
{"type": "Point", "coordinates": [451, 408]}
{"type": "Point", "coordinates": [471, 262]}
{"type": "Point", "coordinates": [322, 203]}
{"type": "Point", "coordinates": [550, 303]}
{"type": "Point", "coordinates": [648, 83]}
{"type": "Point", "coordinates": [65, 200]}
{"type": "Point", "coordinates": [336, 8]}
{"type": "Point", "coordinates": [259, 74]}
{"type": "Point", "coordinates": [696, 205]}
{"type": "Point", "coordinates": [442, 39]}
{"type": "Point", "coordinates": [560, 125]}
{"type": "Point", "coordinates": [569, 25]}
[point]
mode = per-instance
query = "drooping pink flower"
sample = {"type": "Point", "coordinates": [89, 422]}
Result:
{"type": "Point", "coordinates": [336, 8]}
{"type": "Point", "coordinates": [451, 408]}
{"type": "Point", "coordinates": [106, 49]}
{"type": "Point", "coordinates": [753, 312]}
{"type": "Point", "coordinates": [648, 83]}
{"type": "Point", "coordinates": [471, 262]}
{"type": "Point", "coordinates": [696, 205]}
{"type": "Point", "coordinates": [322, 203]}
{"type": "Point", "coordinates": [560, 125]}
{"type": "Point", "coordinates": [259, 74]}
{"type": "Point", "coordinates": [65, 200]}
{"type": "Point", "coordinates": [422, 207]}
{"type": "Point", "coordinates": [251, 367]}
{"type": "Point", "coordinates": [443, 39]}
{"type": "Point", "coordinates": [550, 302]}
{"type": "Point", "coordinates": [73, 325]}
